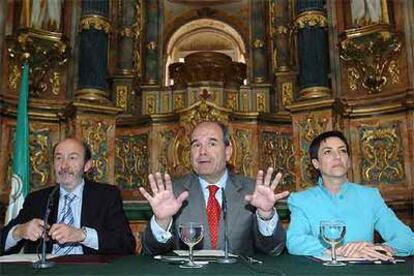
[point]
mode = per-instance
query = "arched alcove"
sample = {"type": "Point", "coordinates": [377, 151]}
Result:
{"type": "Point", "coordinates": [204, 35]}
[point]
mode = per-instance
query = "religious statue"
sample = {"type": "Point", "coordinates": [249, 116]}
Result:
{"type": "Point", "coordinates": [42, 14]}
{"type": "Point", "coordinates": [368, 12]}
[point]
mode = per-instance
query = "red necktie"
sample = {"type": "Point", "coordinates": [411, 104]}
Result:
{"type": "Point", "coordinates": [213, 215]}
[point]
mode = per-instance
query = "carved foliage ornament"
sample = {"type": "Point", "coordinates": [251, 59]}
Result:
{"type": "Point", "coordinates": [278, 152]}
{"type": "Point", "coordinates": [45, 52]}
{"type": "Point", "coordinates": [40, 160]}
{"type": "Point", "coordinates": [122, 97]}
{"type": "Point", "coordinates": [382, 154]}
{"type": "Point", "coordinates": [371, 60]}
{"type": "Point", "coordinates": [174, 156]}
{"type": "Point", "coordinates": [242, 159]}
{"type": "Point", "coordinates": [312, 126]}
{"type": "Point", "coordinates": [203, 111]}
{"type": "Point", "coordinates": [287, 93]}
{"type": "Point", "coordinates": [131, 161]}
{"type": "Point", "coordinates": [311, 19]}
{"type": "Point", "coordinates": [96, 22]}
{"type": "Point", "coordinates": [95, 134]}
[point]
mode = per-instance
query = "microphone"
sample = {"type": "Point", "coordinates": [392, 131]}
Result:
{"type": "Point", "coordinates": [226, 259]}
{"type": "Point", "coordinates": [43, 263]}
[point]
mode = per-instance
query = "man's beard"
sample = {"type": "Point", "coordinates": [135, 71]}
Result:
{"type": "Point", "coordinates": [69, 177]}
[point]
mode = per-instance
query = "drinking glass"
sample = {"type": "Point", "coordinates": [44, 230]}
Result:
{"type": "Point", "coordinates": [191, 233]}
{"type": "Point", "coordinates": [333, 232]}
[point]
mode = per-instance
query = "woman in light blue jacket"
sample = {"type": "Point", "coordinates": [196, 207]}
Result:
{"type": "Point", "coordinates": [335, 198]}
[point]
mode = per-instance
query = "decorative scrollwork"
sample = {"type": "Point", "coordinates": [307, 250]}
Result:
{"type": "Point", "coordinates": [131, 161]}
{"type": "Point", "coordinates": [39, 157]}
{"type": "Point", "coordinates": [175, 153]}
{"type": "Point", "coordinates": [309, 129]}
{"type": "Point", "coordinates": [55, 81]}
{"type": "Point", "coordinates": [45, 52]}
{"type": "Point", "coordinates": [382, 154]}
{"type": "Point", "coordinates": [311, 19]}
{"type": "Point", "coordinates": [278, 152]}
{"type": "Point", "coordinates": [242, 160]}
{"type": "Point", "coordinates": [150, 104]}
{"type": "Point", "coordinates": [371, 56]}
{"type": "Point", "coordinates": [14, 76]}
{"type": "Point", "coordinates": [353, 77]}
{"type": "Point", "coordinates": [203, 111]}
{"type": "Point", "coordinates": [287, 93]}
{"type": "Point", "coordinates": [122, 96]}
{"type": "Point", "coordinates": [231, 102]}
{"type": "Point", "coordinates": [95, 134]}
{"type": "Point", "coordinates": [96, 22]}
{"type": "Point", "coordinates": [394, 71]}
{"type": "Point", "coordinates": [260, 102]}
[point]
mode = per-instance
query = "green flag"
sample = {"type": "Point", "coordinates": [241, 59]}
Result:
{"type": "Point", "coordinates": [20, 177]}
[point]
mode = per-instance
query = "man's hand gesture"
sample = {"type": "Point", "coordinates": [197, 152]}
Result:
{"type": "Point", "coordinates": [264, 197]}
{"type": "Point", "coordinates": [163, 202]}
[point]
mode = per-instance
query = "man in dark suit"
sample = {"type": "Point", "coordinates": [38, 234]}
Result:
{"type": "Point", "coordinates": [85, 217]}
{"type": "Point", "coordinates": [252, 218]}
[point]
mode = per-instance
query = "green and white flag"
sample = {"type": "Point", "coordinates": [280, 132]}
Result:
{"type": "Point", "coordinates": [20, 178]}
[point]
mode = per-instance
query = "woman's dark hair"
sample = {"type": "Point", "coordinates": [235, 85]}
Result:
{"type": "Point", "coordinates": [316, 143]}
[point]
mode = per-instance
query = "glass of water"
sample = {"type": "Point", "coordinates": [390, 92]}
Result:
{"type": "Point", "coordinates": [191, 233]}
{"type": "Point", "coordinates": [333, 232]}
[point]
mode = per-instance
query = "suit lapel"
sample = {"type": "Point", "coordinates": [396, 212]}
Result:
{"type": "Point", "coordinates": [86, 205]}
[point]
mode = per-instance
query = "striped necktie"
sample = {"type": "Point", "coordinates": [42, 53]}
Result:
{"type": "Point", "coordinates": [68, 219]}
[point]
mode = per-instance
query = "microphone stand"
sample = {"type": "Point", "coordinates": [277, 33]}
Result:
{"type": "Point", "coordinates": [43, 263]}
{"type": "Point", "coordinates": [226, 259]}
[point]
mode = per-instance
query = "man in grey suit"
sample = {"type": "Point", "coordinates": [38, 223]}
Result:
{"type": "Point", "coordinates": [253, 221]}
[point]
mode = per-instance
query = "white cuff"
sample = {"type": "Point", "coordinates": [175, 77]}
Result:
{"type": "Point", "coordinates": [159, 233]}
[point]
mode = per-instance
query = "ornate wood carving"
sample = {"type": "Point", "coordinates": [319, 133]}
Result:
{"type": "Point", "coordinates": [370, 54]}
{"type": "Point", "coordinates": [382, 159]}
{"type": "Point", "coordinates": [309, 128]}
{"type": "Point", "coordinates": [208, 66]}
{"type": "Point", "coordinates": [277, 151]}
{"type": "Point", "coordinates": [131, 161]}
{"type": "Point", "coordinates": [46, 53]}
{"type": "Point", "coordinates": [95, 134]}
